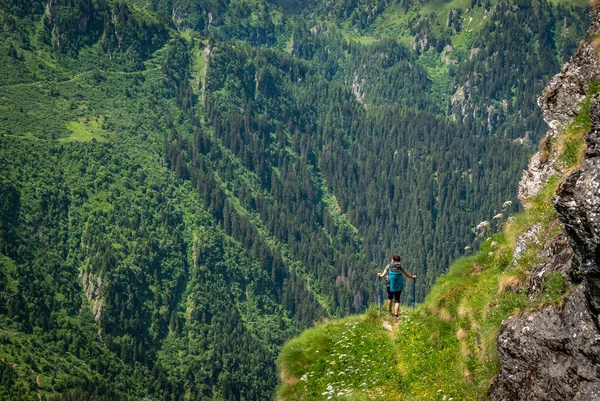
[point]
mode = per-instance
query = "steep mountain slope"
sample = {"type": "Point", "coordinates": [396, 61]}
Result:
{"type": "Point", "coordinates": [111, 261]}
{"type": "Point", "coordinates": [523, 311]}
{"type": "Point", "coordinates": [118, 281]}
{"type": "Point", "coordinates": [187, 184]}
{"type": "Point", "coordinates": [371, 64]}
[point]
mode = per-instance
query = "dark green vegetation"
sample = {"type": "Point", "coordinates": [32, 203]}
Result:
{"type": "Point", "coordinates": [186, 184]}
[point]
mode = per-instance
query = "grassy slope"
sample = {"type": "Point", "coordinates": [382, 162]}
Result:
{"type": "Point", "coordinates": [446, 349]}
{"type": "Point", "coordinates": [347, 359]}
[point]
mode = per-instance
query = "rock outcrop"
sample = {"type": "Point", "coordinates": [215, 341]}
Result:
{"type": "Point", "coordinates": [578, 205]}
{"type": "Point", "coordinates": [93, 287]}
{"type": "Point", "coordinates": [554, 353]}
{"type": "Point", "coordinates": [561, 100]}
{"type": "Point", "coordinates": [542, 166]}
{"type": "Point", "coordinates": [559, 103]}
{"type": "Point", "coordinates": [556, 256]}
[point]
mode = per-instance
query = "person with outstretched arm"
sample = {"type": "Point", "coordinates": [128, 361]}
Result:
{"type": "Point", "coordinates": [395, 282]}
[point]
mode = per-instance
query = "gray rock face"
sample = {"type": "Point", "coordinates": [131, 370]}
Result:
{"type": "Point", "coordinates": [578, 205]}
{"type": "Point", "coordinates": [553, 354]}
{"type": "Point", "coordinates": [562, 97]}
{"type": "Point", "coordinates": [557, 255]}
{"type": "Point", "coordinates": [541, 168]}
{"type": "Point", "coordinates": [93, 288]}
{"type": "Point", "coordinates": [529, 237]}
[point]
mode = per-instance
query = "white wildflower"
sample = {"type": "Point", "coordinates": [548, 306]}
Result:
{"type": "Point", "coordinates": [483, 224]}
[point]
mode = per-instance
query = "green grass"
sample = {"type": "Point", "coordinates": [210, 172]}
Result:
{"type": "Point", "coordinates": [197, 69]}
{"type": "Point", "coordinates": [427, 348]}
{"type": "Point", "coordinates": [351, 35]}
{"type": "Point", "coordinates": [458, 325]}
{"type": "Point", "coordinates": [187, 35]}
{"type": "Point", "coordinates": [350, 359]}
{"type": "Point", "coordinates": [442, 7]}
{"type": "Point", "coordinates": [86, 130]}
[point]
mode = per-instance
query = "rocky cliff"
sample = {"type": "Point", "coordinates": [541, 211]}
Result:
{"type": "Point", "coordinates": [554, 353]}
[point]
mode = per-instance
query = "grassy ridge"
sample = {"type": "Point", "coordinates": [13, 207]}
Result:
{"type": "Point", "coordinates": [446, 349]}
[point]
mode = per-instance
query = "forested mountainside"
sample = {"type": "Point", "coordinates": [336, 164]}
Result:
{"type": "Point", "coordinates": [187, 184]}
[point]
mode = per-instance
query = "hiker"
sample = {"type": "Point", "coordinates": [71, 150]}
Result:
{"type": "Point", "coordinates": [394, 280]}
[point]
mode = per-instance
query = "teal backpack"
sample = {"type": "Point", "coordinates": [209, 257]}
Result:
{"type": "Point", "coordinates": [396, 277]}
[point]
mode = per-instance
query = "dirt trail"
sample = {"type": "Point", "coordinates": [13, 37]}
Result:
{"type": "Point", "coordinates": [48, 82]}
{"type": "Point", "coordinates": [390, 324]}
{"type": "Point", "coordinates": [12, 364]}
{"type": "Point", "coordinates": [37, 381]}
{"type": "Point", "coordinates": [77, 76]}
{"type": "Point", "coordinates": [387, 325]}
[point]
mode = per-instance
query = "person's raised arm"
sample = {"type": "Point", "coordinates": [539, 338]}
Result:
{"type": "Point", "coordinates": [383, 273]}
{"type": "Point", "coordinates": [407, 274]}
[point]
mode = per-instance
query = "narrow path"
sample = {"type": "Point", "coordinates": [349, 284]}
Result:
{"type": "Point", "coordinates": [48, 82]}
{"type": "Point", "coordinates": [12, 364]}
{"type": "Point", "coordinates": [77, 76]}
{"type": "Point", "coordinates": [390, 324]}
{"type": "Point", "coordinates": [387, 325]}
{"type": "Point", "coordinates": [37, 381]}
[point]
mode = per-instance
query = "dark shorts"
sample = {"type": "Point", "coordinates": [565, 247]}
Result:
{"type": "Point", "coordinates": [395, 295]}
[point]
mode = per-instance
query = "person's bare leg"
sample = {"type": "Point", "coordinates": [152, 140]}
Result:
{"type": "Point", "coordinates": [389, 305]}
{"type": "Point", "coordinates": [396, 308]}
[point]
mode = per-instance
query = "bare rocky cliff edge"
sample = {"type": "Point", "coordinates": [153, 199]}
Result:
{"type": "Point", "coordinates": [554, 353]}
